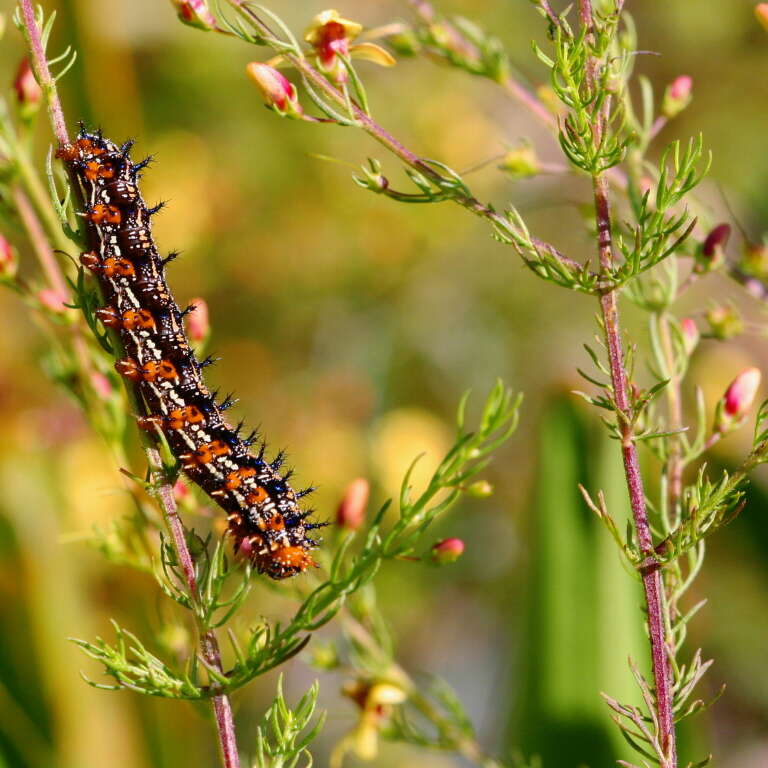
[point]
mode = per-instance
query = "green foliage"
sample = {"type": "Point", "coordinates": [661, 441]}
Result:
{"type": "Point", "coordinates": [282, 742]}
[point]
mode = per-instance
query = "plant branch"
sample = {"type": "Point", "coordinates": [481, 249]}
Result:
{"type": "Point", "coordinates": [380, 134]}
{"type": "Point", "coordinates": [650, 570]}
{"type": "Point", "coordinates": [164, 491]}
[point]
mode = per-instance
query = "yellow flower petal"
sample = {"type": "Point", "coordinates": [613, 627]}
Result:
{"type": "Point", "coordinates": [374, 53]}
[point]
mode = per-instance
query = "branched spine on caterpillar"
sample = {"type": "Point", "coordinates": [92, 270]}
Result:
{"type": "Point", "coordinates": [262, 509]}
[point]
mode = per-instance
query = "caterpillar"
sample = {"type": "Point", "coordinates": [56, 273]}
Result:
{"type": "Point", "coordinates": [263, 512]}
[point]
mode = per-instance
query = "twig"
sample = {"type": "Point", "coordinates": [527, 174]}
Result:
{"type": "Point", "coordinates": [651, 573]}
{"type": "Point", "coordinates": [380, 134]}
{"type": "Point", "coordinates": [208, 643]}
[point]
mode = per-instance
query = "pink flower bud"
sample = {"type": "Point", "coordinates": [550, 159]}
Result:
{"type": "Point", "coordinates": [716, 240]}
{"type": "Point", "coordinates": [761, 13]}
{"type": "Point", "coordinates": [690, 333]}
{"type": "Point", "coordinates": [198, 325]}
{"type": "Point", "coordinates": [101, 385]}
{"type": "Point", "coordinates": [8, 262]}
{"type": "Point", "coordinates": [741, 394]}
{"type": "Point", "coordinates": [278, 92]}
{"type": "Point", "coordinates": [181, 492]}
{"type": "Point", "coordinates": [711, 253]}
{"type": "Point", "coordinates": [447, 551]}
{"type": "Point", "coordinates": [53, 300]}
{"type": "Point", "coordinates": [677, 96]}
{"type": "Point", "coordinates": [28, 92]}
{"type": "Point", "coordinates": [195, 13]}
{"type": "Point", "coordinates": [351, 511]}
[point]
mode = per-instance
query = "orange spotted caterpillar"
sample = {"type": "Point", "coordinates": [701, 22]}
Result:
{"type": "Point", "coordinates": [263, 512]}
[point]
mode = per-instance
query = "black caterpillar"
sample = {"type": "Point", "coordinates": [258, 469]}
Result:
{"type": "Point", "coordinates": [264, 517]}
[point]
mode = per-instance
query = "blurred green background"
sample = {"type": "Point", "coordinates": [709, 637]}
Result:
{"type": "Point", "coordinates": [349, 327]}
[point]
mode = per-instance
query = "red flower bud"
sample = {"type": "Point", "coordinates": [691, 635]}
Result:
{"type": "Point", "coordinates": [677, 96]}
{"type": "Point", "coordinates": [278, 92]}
{"type": "Point", "coordinates": [715, 240]}
{"type": "Point", "coordinates": [28, 92]}
{"type": "Point", "coordinates": [351, 511]}
{"type": "Point", "coordinates": [197, 321]}
{"type": "Point", "coordinates": [447, 551]}
{"type": "Point", "coordinates": [195, 13]}
{"type": "Point", "coordinates": [741, 394]}
{"type": "Point", "coordinates": [690, 333]}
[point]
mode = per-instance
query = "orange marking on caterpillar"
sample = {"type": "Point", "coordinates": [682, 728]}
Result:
{"type": "Point", "coordinates": [159, 369]}
{"type": "Point", "coordinates": [121, 267]}
{"type": "Point", "coordinates": [293, 557]}
{"type": "Point", "coordinates": [129, 368]}
{"type": "Point", "coordinates": [138, 318]}
{"type": "Point", "coordinates": [104, 213]}
{"type": "Point", "coordinates": [109, 317]}
{"type": "Point", "coordinates": [96, 170]}
{"type": "Point", "coordinates": [258, 496]}
{"type": "Point", "coordinates": [235, 479]}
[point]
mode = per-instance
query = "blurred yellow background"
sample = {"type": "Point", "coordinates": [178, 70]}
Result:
{"type": "Point", "coordinates": [349, 326]}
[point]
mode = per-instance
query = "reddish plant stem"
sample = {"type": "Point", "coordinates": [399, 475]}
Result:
{"type": "Point", "coordinates": [208, 644]}
{"type": "Point", "coordinates": [651, 572]}
{"type": "Point", "coordinates": [380, 134]}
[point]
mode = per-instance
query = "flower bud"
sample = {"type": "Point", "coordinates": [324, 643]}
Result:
{"type": "Point", "coordinates": [712, 252]}
{"type": "Point", "coordinates": [8, 261]}
{"type": "Point", "coordinates": [351, 512]}
{"type": "Point", "coordinates": [737, 400]}
{"type": "Point", "coordinates": [677, 96]}
{"type": "Point", "coordinates": [181, 492]}
{"type": "Point", "coordinates": [101, 385]}
{"type": "Point", "coordinates": [195, 13]}
{"type": "Point", "coordinates": [278, 92]}
{"type": "Point", "coordinates": [741, 394]}
{"type": "Point", "coordinates": [521, 162]}
{"type": "Point", "coordinates": [481, 489]}
{"type": "Point", "coordinates": [28, 92]}
{"type": "Point", "coordinates": [447, 551]}
{"type": "Point", "coordinates": [198, 325]}
{"type": "Point", "coordinates": [761, 13]}
{"type": "Point", "coordinates": [53, 300]}
{"type": "Point", "coordinates": [690, 333]}
{"type": "Point", "coordinates": [725, 322]}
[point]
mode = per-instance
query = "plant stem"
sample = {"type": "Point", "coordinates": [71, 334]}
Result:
{"type": "Point", "coordinates": [380, 134]}
{"type": "Point", "coordinates": [651, 572]}
{"type": "Point", "coordinates": [208, 644]}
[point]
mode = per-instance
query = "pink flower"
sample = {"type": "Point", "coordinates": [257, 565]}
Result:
{"type": "Point", "coordinates": [278, 92]}
{"type": "Point", "coordinates": [447, 551]}
{"type": "Point", "coordinates": [690, 333]}
{"type": "Point", "coordinates": [351, 511]}
{"type": "Point", "coordinates": [28, 92]}
{"type": "Point", "coordinates": [197, 321]}
{"type": "Point", "coordinates": [677, 96]}
{"type": "Point", "coordinates": [53, 300]}
{"type": "Point", "coordinates": [195, 13]}
{"type": "Point", "coordinates": [741, 394]}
